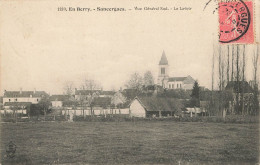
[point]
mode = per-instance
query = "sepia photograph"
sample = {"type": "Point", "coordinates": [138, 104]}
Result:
{"type": "Point", "coordinates": [129, 82]}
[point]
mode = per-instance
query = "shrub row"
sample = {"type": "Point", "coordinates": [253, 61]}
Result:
{"type": "Point", "coordinates": [126, 118]}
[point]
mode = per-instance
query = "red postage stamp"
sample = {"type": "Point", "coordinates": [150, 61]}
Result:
{"type": "Point", "coordinates": [236, 22]}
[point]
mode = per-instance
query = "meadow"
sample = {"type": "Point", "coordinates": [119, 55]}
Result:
{"type": "Point", "coordinates": [140, 142]}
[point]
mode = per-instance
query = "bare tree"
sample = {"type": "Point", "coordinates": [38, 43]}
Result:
{"type": "Point", "coordinates": [255, 61]}
{"type": "Point", "coordinates": [68, 88]}
{"type": "Point", "coordinates": [212, 82]}
{"type": "Point", "coordinates": [243, 81]}
{"type": "Point", "coordinates": [232, 64]}
{"type": "Point", "coordinates": [221, 68]}
{"type": "Point", "coordinates": [228, 75]}
{"type": "Point", "coordinates": [148, 78]}
{"type": "Point", "coordinates": [135, 82]}
{"type": "Point", "coordinates": [237, 80]}
{"type": "Point", "coordinates": [221, 76]}
{"type": "Point", "coordinates": [92, 86]}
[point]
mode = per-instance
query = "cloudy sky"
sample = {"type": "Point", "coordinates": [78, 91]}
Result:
{"type": "Point", "coordinates": [43, 48]}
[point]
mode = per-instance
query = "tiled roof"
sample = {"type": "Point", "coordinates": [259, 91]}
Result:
{"type": "Point", "coordinates": [107, 92]}
{"type": "Point", "coordinates": [156, 104]}
{"type": "Point", "coordinates": [17, 103]}
{"type": "Point", "coordinates": [59, 97]}
{"type": "Point", "coordinates": [102, 101]}
{"type": "Point", "coordinates": [24, 93]}
{"type": "Point", "coordinates": [163, 60]}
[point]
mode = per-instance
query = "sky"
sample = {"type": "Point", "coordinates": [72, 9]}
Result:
{"type": "Point", "coordinates": [42, 48]}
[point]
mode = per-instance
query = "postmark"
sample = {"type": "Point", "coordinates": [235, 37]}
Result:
{"type": "Point", "coordinates": [235, 22]}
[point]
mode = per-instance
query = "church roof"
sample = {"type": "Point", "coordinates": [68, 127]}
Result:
{"type": "Point", "coordinates": [186, 80]}
{"type": "Point", "coordinates": [163, 60]}
{"type": "Point", "coordinates": [177, 78]}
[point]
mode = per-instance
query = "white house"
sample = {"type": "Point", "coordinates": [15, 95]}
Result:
{"type": "Point", "coordinates": [152, 107]}
{"type": "Point", "coordinates": [137, 109]}
{"type": "Point", "coordinates": [57, 101]}
{"type": "Point", "coordinates": [21, 100]}
{"type": "Point", "coordinates": [32, 97]}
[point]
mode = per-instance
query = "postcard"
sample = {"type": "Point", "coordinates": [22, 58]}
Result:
{"type": "Point", "coordinates": [129, 82]}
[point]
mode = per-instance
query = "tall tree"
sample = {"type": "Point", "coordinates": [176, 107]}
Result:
{"type": "Point", "coordinates": [68, 88]}
{"type": "Point", "coordinates": [44, 105]}
{"type": "Point", "coordinates": [148, 78]}
{"type": "Point", "coordinates": [232, 64]}
{"type": "Point", "coordinates": [255, 61]}
{"type": "Point", "coordinates": [243, 81]}
{"type": "Point", "coordinates": [135, 82]}
{"type": "Point", "coordinates": [211, 109]}
{"type": "Point", "coordinates": [92, 86]}
{"type": "Point", "coordinates": [195, 95]}
{"type": "Point", "coordinates": [228, 64]}
{"type": "Point", "coordinates": [221, 74]}
{"type": "Point", "coordinates": [237, 80]}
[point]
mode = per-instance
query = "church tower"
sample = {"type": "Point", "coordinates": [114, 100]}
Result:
{"type": "Point", "coordinates": [163, 71]}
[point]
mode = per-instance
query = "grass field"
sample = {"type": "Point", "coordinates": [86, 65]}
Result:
{"type": "Point", "coordinates": [154, 142]}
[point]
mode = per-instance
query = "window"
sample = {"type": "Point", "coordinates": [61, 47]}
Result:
{"type": "Point", "coordinates": [180, 85]}
{"type": "Point", "coordinates": [9, 100]}
{"type": "Point", "coordinates": [173, 86]}
{"type": "Point", "coordinates": [169, 85]}
{"type": "Point", "coordinates": [162, 70]}
{"type": "Point", "coordinates": [37, 100]}
{"type": "Point", "coordinates": [15, 99]}
{"type": "Point", "coordinates": [177, 85]}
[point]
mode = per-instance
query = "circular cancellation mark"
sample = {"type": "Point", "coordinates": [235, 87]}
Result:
{"type": "Point", "coordinates": [234, 20]}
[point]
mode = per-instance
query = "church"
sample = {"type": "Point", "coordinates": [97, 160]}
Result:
{"type": "Point", "coordinates": [165, 81]}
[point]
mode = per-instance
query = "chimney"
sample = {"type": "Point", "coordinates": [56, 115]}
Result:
{"type": "Point", "coordinates": [21, 89]}
{"type": "Point", "coordinates": [34, 91]}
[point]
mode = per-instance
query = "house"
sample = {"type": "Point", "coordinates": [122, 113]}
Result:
{"type": "Point", "coordinates": [23, 96]}
{"type": "Point", "coordinates": [22, 99]}
{"type": "Point", "coordinates": [167, 82]}
{"type": "Point", "coordinates": [154, 107]}
{"type": "Point", "coordinates": [102, 102]}
{"type": "Point", "coordinates": [57, 101]}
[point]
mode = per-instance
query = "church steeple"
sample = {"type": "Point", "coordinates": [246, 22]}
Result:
{"type": "Point", "coordinates": [163, 70]}
{"type": "Point", "coordinates": [163, 60]}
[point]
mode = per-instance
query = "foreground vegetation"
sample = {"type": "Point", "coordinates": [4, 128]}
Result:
{"type": "Point", "coordinates": [157, 142]}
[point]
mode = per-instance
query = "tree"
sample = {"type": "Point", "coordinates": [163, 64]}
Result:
{"type": "Point", "coordinates": [255, 61]}
{"type": "Point", "coordinates": [228, 66]}
{"type": "Point", "coordinates": [148, 78]}
{"type": "Point", "coordinates": [44, 105]}
{"type": "Point", "coordinates": [68, 88]}
{"type": "Point", "coordinates": [14, 108]}
{"type": "Point", "coordinates": [195, 95]}
{"type": "Point", "coordinates": [92, 86]}
{"type": "Point", "coordinates": [135, 82]}
{"type": "Point", "coordinates": [118, 99]}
